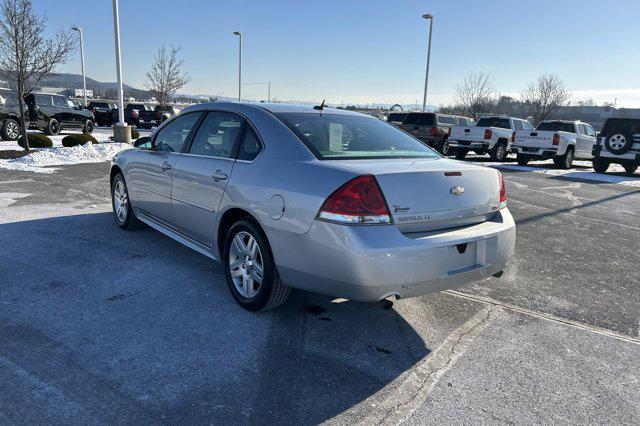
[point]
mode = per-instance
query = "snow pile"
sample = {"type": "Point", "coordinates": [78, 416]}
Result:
{"type": "Point", "coordinates": [548, 168]}
{"type": "Point", "coordinates": [41, 160]}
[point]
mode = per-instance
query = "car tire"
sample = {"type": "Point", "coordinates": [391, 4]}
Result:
{"type": "Point", "coordinates": [53, 127]}
{"type": "Point", "coordinates": [564, 161]}
{"type": "Point", "coordinates": [461, 153]}
{"type": "Point", "coordinates": [618, 143]}
{"type": "Point", "coordinates": [630, 169]}
{"type": "Point", "coordinates": [246, 251]}
{"type": "Point", "coordinates": [88, 127]}
{"type": "Point", "coordinates": [522, 160]}
{"type": "Point", "coordinates": [10, 130]}
{"type": "Point", "coordinates": [121, 203]}
{"type": "Point", "coordinates": [445, 149]}
{"type": "Point", "coordinates": [499, 152]}
{"type": "Point", "coordinates": [600, 165]}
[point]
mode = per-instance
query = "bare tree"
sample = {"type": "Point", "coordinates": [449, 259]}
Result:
{"type": "Point", "coordinates": [475, 94]}
{"type": "Point", "coordinates": [26, 57]}
{"type": "Point", "coordinates": [166, 76]}
{"type": "Point", "coordinates": [545, 96]}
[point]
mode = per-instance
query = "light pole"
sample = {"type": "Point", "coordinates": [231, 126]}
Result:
{"type": "Point", "coordinates": [121, 132]}
{"type": "Point", "coordinates": [426, 77]}
{"type": "Point", "coordinates": [239, 34]}
{"type": "Point", "coordinates": [84, 77]}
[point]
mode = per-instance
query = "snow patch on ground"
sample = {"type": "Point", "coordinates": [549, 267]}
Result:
{"type": "Point", "coordinates": [43, 160]}
{"type": "Point", "coordinates": [585, 173]}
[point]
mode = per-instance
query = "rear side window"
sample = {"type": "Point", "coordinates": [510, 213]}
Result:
{"type": "Point", "coordinates": [43, 100]}
{"type": "Point", "coordinates": [420, 119]}
{"type": "Point", "coordinates": [217, 135]}
{"type": "Point", "coordinates": [397, 117]}
{"type": "Point", "coordinates": [502, 123]}
{"type": "Point", "coordinates": [442, 119]}
{"type": "Point", "coordinates": [517, 125]}
{"type": "Point", "coordinates": [59, 101]}
{"type": "Point", "coordinates": [620, 125]}
{"type": "Point", "coordinates": [250, 147]}
{"type": "Point", "coordinates": [557, 126]}
{"type": "Point", "coordinates": [172, 136]}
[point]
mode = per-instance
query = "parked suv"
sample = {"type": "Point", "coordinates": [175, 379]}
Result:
{"type": "Point", "coordinates": [619, 143]}
{"type": "Point", "coordinates": [137, 114]}
{"type": "Point", "coordinates": [430, 127]}
{"type": "Point", "coordinates": [52, 113]}
{"type": "Point", "coordinates": [166, 112]}
{"type": "Point", "coordinates": [396, 118]}
{"type": "Point", "coordinates": [103, 112]}
{"type": "Point", "coordinates": [9, 115]}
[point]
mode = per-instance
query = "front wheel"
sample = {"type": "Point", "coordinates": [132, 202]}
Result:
{"type": "Point", "coordinates": [121, 203]}
{"type": "Point", "coordinates": [446, 150]}
{"type": "Point", "coordinates": [461, 153]}
{"type": "Point", "coordinates": [10, 130]}
{"type": "Point", "coordinates": [250, 270]}
{"type": "Point", "coordinates": [630, 168]}
{"type": "Point", "coordinates": [523, 160]}
{"type": "Point", "coordinates": [53, 127]}
{"type": "Point", "coordinates": [88, 127]}
{"type": "Point", "coordinates": [564, 161]}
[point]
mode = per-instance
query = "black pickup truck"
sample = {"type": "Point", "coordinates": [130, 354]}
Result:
{"type": "Point", "coordinates": [137, 114]}
{"type": "Point", "coordinates": [103, 112]}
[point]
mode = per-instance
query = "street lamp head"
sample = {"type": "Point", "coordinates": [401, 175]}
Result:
{"type": "Point", "coordinates": [238, 33]}
{"type": "Point", "coordinates": [427, 16]}
{"type": "Point", "coordinates": [76, 28]}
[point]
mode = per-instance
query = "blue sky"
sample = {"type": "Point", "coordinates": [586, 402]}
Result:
{"type": "Point", "coordinates": [366, 51]}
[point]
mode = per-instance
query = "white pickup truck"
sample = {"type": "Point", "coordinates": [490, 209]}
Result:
{"type": "Point", "coordinates": [561, 140]}
{"type": "Point", "coordinates": [492, 135]}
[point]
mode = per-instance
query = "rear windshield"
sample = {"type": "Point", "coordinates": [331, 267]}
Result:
{"type": "Point", "coordinates": [345, 137]}
{"type": "Point", "coordinates": [420, 119]}
{"type": "Point", "coordinates": [557, 126]}
{"type": "Point", "coordinates": [98, 105]}
{"type": "Point", "coordinates": [620, 125]}
{"type": "Point", "coordinates": [502, 123]}
{"type": "Point", "coordinates": [397, 117]}
{"type": "Point", "coordinates": [136, 106]}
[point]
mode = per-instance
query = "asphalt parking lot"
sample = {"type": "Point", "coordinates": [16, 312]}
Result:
{"type": "Point", "coordinates": [100, 325]}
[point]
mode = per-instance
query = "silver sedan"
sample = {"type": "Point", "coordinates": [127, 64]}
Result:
{"type": "Point", "coordinates": [314, 198]}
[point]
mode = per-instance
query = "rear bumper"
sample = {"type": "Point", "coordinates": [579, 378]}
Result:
{"type": "Point", "coordinates": [475, 146]}
{"type": "Point", "coordinates": [369, 263]}
{"type": "Point", "coordinates": [629, 158]}
{"type": "Point", "coordinates": [535, 152]}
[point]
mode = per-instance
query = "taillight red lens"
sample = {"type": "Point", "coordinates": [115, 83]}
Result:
{"type": "Point", "coordinates": [556, 139]}
{"type": "Point", "coordinates": [513, 137]}
{"type": "Point", "coordinates": [503, 191]}
{"type": "Point", "coordinates": [358, 201]}
{"type": "Point", "coordinates": [488, 133]}
{"type": "Point", "coordinates": [434, 131]}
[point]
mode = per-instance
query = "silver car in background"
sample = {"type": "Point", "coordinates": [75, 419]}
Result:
{"type": "Point", "coordinates": [324, 200]}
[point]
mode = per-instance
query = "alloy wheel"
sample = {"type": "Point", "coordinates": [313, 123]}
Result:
{"type": "Point", "coordinates": [12, 130]}
{"type": "Point", "coordinates": [120, 201]}
{"type": "Point", "coordinates": [246, 264]}
{"type": "Point", "coordinates": [617, 141]}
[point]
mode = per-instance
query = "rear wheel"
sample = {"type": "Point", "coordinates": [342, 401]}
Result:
{"type": "Point", "coordinates": [249, 268]}
{"type": "Point", "coordinates": [10, 130]}
{"type": "Point", "coordinates": [523, 160]}
{"type": "Point", "coordinates": [53, 127]}
{"type": "Point", "coordinates": [461, 153]}
{"type": "Point", "coordinates": [600, 165]}
{"type": "Point", "coordinates": [121, 203]}
{"type": "Point", "coordinates": [88, 127]}
{"type": "Point", "coordinates": [499, 152]}
{"type": "Point", "coordinates": [630, 168]}
{"type": "Point", "coordinates": [446, 150]}
{"type": "Point", "coordinates": [564, 161]}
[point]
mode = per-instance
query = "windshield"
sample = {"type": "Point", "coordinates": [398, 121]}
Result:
{"type": "Point", "coordinates": [340, 136]}
{"type": "Point", "coordinates": [557, 126]}
{"type": "Point", "coordinates": [420, 118]}
{"type": "Point", "coordinates": [502, 123]}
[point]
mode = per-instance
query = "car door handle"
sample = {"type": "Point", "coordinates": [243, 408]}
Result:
{"type": "Point", "coordinates": [166, 166]}
{"type": "Point", "coordinates": [219, 175]}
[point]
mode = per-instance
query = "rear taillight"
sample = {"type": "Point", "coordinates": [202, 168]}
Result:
{"type": "Point", "coordinates": [93, 110]}
{"type": "Point", "coordinates": [488, 133]}
{"type": "Point", "coordinates": [434, 131]}
{"type": "Point", "coordinates": [556, 139]}
{"type": "Point", "coordinates": [449, 132]}
{"type": "Point", "coordinates": [359, 201]}
{"type": "Point", "coordinates": [503, 191]}
{"type": "Point", "coordinates": [513, 137]}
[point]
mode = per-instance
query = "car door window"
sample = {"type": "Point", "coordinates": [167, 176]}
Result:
{"type": "Point", "coordinates": [517, 125]}
{"type": "Point", "coordinates": [59, 102]}
{"type": "Point", "coordinates": [172, 136]}
{"type": "Point", "coordinates": [43, 100]}
{"type": "Point", "coordinates": [590, 131]}
{"type": "Point", "coordinates": [250, 146]}
{"type": "Point", "coordinates": [70, 103]}
{"type": "Point", "coordinates": [217, 135]}
{"type": "Point", "coordinates": [527, 126]}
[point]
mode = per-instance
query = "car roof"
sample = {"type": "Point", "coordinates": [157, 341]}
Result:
{"type": "Point", "coordinates": [273, 108]}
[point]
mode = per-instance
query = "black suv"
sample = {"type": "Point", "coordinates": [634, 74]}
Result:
{"type": "Point", "coordinates": [52, 113]}
{"type": "Point", "coordinates": [103, 112]}
{"type": "Point", "coordinates": [618, 143]}
{"type": "Point", "coordinates": [433, 128]}
{"type": "Point", "coordinates": [9, 115]}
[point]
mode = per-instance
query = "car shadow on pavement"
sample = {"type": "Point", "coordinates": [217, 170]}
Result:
{"type": "Point", "coordinates": [100, 324]}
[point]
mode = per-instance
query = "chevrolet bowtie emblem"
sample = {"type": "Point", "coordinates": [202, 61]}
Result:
{"type": "Point", "coordinates": [457, 190]}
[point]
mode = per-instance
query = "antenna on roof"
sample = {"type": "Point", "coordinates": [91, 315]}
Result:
{"type": "Point", "coordinates": [320, 107]}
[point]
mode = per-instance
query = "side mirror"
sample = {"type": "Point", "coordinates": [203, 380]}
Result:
{"type": "Point", "coordinates": [143, 143]}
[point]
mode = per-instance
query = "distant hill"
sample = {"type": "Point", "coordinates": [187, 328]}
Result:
{"type": "Point", "coordinates": [74, 81]}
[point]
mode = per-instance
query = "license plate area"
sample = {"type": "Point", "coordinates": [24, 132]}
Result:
{"type": "Point", "coordinates": [464, 257]}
